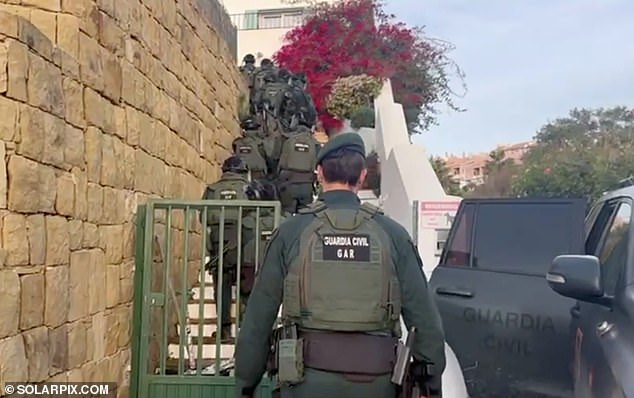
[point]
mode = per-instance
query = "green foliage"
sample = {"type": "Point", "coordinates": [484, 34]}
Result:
{"type": "Point", "coordinates": [582, 155]}
{"type": "Point", "coordinates": [373, 179]}
{"type": "Point", "coordinates": [351, 93]}
{"type": "Point", "coordinates": [499, 173]}
{"type": "Point", "coordinates": [449, 184]}
{"type": "Point", "coordinates": [362, 117]}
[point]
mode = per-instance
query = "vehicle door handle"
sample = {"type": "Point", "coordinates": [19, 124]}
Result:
{"type": "Point", "coordinates": [454, 291]}
{"type": "Point", "coordinates": [575, 312]}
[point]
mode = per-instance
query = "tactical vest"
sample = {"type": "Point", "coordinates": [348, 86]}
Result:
{"type": "Point", "coordinates": [250, 149]}
{"type": "Point", "coordinates": [300, 104]}
{"type": "Point", "coordinates": [298, 152]}
{"type": "Point", "coordinates": [261, 79]}
{"type": "Point", "coordinates": [266, 227]}
{"type": "Point", "coordinates": [344, 278]}
{"type": "Point", "coordinates": [230, 187]}
{"type": "Point", "coordinates": [273, 95]}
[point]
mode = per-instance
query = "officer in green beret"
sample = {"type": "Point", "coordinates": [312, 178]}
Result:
{"type": "Point", "coordinates": [344, 273]}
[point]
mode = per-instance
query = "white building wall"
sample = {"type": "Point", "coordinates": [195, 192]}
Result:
{"type": "Point", "coordinates": [262, 24]}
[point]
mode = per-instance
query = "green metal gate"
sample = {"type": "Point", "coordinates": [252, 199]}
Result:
{"type": "Point", "coordinates": [173, 353]}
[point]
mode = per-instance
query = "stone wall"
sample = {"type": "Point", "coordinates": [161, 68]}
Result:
{"type": "Point", "coordinates": [102, 104]}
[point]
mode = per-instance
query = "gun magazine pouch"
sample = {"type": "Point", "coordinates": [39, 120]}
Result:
{"type": "Point", "coordinates": [290, 361]}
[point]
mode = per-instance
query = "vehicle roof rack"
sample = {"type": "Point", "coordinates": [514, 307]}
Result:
{"type": "Point", "coordinates": [626, 182]}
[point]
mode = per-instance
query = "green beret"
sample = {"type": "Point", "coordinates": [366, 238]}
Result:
{"type": "Point", "coordinates": [349, 141]}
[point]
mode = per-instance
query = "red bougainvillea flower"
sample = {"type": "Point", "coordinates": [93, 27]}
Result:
{"type": "Point", "coordinates": [352, 37]}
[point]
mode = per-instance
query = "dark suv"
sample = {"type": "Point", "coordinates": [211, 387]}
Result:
{"type": "Point", "coordinates": [512, 333]}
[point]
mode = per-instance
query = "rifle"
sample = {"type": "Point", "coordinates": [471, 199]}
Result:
{"type": "Point", "coordinates": [401, 375]}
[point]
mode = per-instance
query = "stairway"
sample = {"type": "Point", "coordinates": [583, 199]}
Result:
{"type": "Point", "coordinates": [208, 358]}
{"type": "Point", "coordinates": [206, 294]}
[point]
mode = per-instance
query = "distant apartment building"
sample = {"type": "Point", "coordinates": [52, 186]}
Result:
{"type": "Point", "coordinates": [517, 151]}
{"type": "Point", "coordinates": [468, 169]}
{"type": "Point", "coordinates": [261, 30]}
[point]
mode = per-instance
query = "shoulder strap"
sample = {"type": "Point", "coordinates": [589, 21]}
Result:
{"type": "Point", "coordinates": [371, 209]}
{"type": "Point", "coordinates": [314, 208]}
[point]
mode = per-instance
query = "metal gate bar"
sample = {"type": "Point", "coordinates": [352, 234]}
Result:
{"type": "Point", "coordinates": [154, 310]}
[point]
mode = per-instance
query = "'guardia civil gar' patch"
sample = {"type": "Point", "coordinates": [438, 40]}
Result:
{"type": "Point", "coordinates": [228, 194]}
{"type": "Point", "coordinates": [346, 247]}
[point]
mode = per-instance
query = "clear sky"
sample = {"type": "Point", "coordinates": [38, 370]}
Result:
{"type": "Point", "coordinates": [526, 62]}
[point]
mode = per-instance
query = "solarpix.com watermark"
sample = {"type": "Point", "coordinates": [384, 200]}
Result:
{"type": "Point", "coordinates": [59, 390]}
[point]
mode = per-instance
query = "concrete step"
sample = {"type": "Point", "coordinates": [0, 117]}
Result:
{"type": "Point", "coordinates": [209, 351]}
{"type": "Point", "coordinates": [208, 320]}
{"type": "Point", "coordinates": [207, 330]}
{"type": "Point", "coordinates": [206, 340]}
{"type": "Point", "coordinates": [208, 310]}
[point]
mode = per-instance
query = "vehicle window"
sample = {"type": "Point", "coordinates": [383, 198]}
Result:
{"type": "Point", "coordinates": [599, 227]}
{"type": "Point", "coordinates": [592, 215]}
{"type": "Point", "coordinates": [459, 247]}
{"type": "Point", "coordinates": [522, 237]}
{"type": "Point", "coordinates": [614, 250]}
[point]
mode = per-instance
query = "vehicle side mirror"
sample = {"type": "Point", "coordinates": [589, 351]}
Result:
{"type": "Point", "coordinates": [577, 276]}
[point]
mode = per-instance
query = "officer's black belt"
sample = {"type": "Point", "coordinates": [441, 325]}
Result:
{"type": "Point", "coordinates": [352, 353]}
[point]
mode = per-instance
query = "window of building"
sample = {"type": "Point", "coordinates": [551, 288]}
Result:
{"type": "Point", "coordinates": [270, 21]}
{"type": "Point", "coordinates": [250, 20]}
{"type": "Point", "coordinates": [292, 19]}
{"type": "Point", "coordinates": [456, 170]}
{"type": "Point", "coordinates": [276, 19]}
{"type": "Point", "coordinates": [476, 172]}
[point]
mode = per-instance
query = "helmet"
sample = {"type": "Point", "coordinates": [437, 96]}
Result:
{"type": "Point", "coordinates": [266, 63]}
{"type": "Point", "coordinates": [249, 59]}
{"type": "Point", "coordinates": [234, 164]}
{"type": "Point", "coordinates": [249, 124]}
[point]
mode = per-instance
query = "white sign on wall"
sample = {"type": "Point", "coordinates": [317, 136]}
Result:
{"type": "Point", "coordinates": [437, 214]}
{"type": "Point", "coordinates": [434, 221]}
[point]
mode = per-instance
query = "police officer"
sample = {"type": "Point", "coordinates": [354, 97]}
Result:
{"type": "Point", "coordinates": [344, 273]}
{"type": "Point", "coordinates": [231, 186]}
{"type": "Point", "coordinates": [248, 63]}
{"type": "Point", "coordinates": [260, 190]}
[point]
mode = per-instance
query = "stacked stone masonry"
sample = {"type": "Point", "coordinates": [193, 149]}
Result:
{"type": "Point", "coordinates": [103, 104]}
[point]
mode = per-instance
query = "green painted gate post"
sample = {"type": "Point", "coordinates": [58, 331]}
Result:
{"type": "Point", "coordinates": [139, 261]}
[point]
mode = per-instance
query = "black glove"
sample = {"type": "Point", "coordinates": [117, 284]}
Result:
{"type": "Point", "coordinates": [425, 378]}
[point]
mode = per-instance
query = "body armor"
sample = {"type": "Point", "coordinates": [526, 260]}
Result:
{"type": "Point", "coordinates": [344, 278]}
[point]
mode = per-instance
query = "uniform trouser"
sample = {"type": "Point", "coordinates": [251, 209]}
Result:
{"type": "Point", "coordinates": [229, 259]}
{"type": "Point", "coordinates": [294, 196]}
{"type": "Point", "coordinates": [246, 285]}
{"type": "Point", "coordinates": [225, 309]}
{"type": "Point", "coordinates": [318, 384]}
